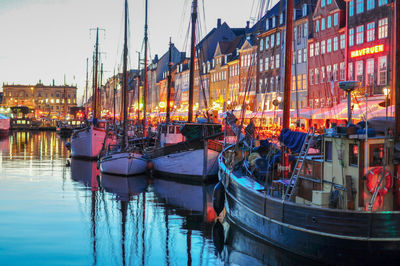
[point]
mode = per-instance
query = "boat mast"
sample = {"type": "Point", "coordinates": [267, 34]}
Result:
{"type": "Point", "coordinates": [138, 91]}
{"type": "Point", "coordinates": [125, 79]}
{"type": "Point", "coordinates": [192, 58]}
{"type": "Point", "coordinates": [114, 91]}
{"type": "Point", "coordinates": [396, 64]}
{"type": "Point", "coordinates": [288, 71]}
{"type": "Point", "coordinates": [96, 62]}
{"type": "Point", "coordinates": [86, 88]}
{"type": "Point", "coordinates": [169, 82]}
{"type": "Point", "coordinates": [145, 73]}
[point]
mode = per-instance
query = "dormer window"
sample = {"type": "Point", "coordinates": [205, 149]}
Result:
{"type": "Point", "coordinates": [273, 22]}
{"type": "Point", "coordinates": [267, 24]}
{"type": "Point", "coordinates": [281, 19]}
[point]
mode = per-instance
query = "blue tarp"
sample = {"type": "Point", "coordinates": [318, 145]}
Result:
{"type": "Point", "coordinates": [292, 139]}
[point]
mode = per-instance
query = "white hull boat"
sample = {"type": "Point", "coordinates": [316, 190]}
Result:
{"type": "Point", "coordinates": [187, 165]}
{"type": "Point", "coordinates": [4, 125]}
{"type": "Point", "coordinates": [88, 143]}
{"type": "Point", "coordinates": [123, 163]}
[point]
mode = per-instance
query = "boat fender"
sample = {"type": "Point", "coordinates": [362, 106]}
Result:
{"type": "Point", "coordinates": [149, 165]}
{"type": "Point", "coordinates": [218, 198]}
{"type": "Point", "coordinates": [375, 174]}
{"type": "Point", "coordinates": [218, 236]}
{"type": "Point", "coordinates": [68, 163]}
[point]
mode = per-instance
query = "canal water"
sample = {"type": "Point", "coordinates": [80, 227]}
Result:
{"type": "Point", "coordinates": [53, 213]}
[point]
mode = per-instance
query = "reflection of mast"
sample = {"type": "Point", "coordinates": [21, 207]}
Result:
{"type": "Point", "coordinates": [166, 236]}
{"type": "Point", "coordinates": [145, 75]}
{"type": "Point", "coordinates": [93, 215]}
{"type": "Point", "coordinates": [189, 247]}
{"type": "Point", "coordinates": [143, 225]}
{"type": "Point", "coordinates": [124, 210]}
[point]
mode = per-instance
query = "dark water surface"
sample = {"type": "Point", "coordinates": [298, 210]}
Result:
{"type": "Point", "coordinates": [53, 214]}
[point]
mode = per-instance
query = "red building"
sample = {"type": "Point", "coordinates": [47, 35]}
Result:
{"type": "Point", "coordinates": [326, 54]}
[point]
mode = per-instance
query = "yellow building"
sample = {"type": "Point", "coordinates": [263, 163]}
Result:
{"type": "Point", "coordinates": [55, 99]}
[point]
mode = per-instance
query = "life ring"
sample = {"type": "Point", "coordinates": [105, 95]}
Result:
{"type": "Point", "coordinates": [374, 174]}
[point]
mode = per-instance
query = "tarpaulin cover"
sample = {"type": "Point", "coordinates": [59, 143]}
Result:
{"type": "Point", "coordinates": [292, 139]}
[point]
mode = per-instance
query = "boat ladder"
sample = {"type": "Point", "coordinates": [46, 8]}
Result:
{"type": "Point", "coordinates": [294, 179]}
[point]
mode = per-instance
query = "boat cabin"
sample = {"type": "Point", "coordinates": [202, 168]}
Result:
{"type": "Point", "coordinates": [170, 134]}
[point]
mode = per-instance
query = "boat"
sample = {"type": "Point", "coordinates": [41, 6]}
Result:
{"type": "Point", "coordinates": [338, 202]}
{"type": "Point", "coordinates": [124, 159]}
{"type": "Point", "coordinates": [4, 125]}
{"type": "Point", "coordinates": [63, 129]}
{"type": "Point", "coordinates": [89, 142]}
{"type": "Point", "coordinates": [175, 160]}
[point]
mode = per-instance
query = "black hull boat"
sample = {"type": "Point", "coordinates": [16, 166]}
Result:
{"type": "Point", "coordinates": [322, 234]}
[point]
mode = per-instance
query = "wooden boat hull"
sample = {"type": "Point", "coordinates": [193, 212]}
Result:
{"type": "Point", "coordinates": [123, 164]}
{"type": "Point", "coordinates": [88, 143]}
{"type": "Point", "coordinates": [187, 166]}
{"type": "Point", "coordinates": [322, 234]}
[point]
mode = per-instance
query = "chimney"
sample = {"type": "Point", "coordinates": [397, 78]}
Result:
{"type": "Point", "coordinates": [218, 23]}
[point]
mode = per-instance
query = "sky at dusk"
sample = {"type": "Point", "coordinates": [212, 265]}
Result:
{"type": "Point", "coordinates": [51, 39]}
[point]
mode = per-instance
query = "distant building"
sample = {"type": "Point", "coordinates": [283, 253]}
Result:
{"type": "Point", "coordinates": [55, 99]}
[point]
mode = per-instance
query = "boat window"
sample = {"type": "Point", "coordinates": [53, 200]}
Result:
{"type": "Point", "coordinates": [101, 125]}
{"type": "Point", "coordinates": [376, 155]}
{"type": "Point", "coordinates": [163, 129]}
{"type": "Point", "coordinates": [178, 129]}
{"type": "Point", "coordinates": [171, 129]}
{"type": "Point", "coordinates": [328, 151]}
{"type": "Point", "coordinates": [353, 154]}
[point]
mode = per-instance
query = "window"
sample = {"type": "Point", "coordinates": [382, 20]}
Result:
{"type": "Point", "coordinates": [317, 26]}
{"type": "Point", "coordinates": [353, 154]}
{"type": "Point", "coordinates": [329, 46]}
{"type": "Point", "coordinates": [382, 70]}
{"type": "Point", "coordinates": [305, 55]}
{"type": "Point", "coordinates": [277, 83]}
{"type": "Point", "coordinates": [298, 82]}
{"type": "Point", "coordinates": [299, 56]}
{"type": "Point", "coordinates": [359, 70]}
{"type": "Point", "coordinates": [350, 72]}
{"type": "Point", "coordinates": [272, 62]}
{"type": "Point", "coordinates": [351, 8]}
{"type": "Point", "coordinates": [277, 61]}
{"type": "Point", "coordinates": [311, 76]}
{"type": "Point", "coordinates": [328, 151]}
{"type": "Point", "coordinates": [323, 47]}
{"type": "Point", "coordinates": [278, 38]}
{"type": "Point", "coordinates": [329, 22]}
{"type": "Point", "coordinates": [371, 4]}
{"type": "Point", "coordinates": [322, 24]}
{"type": "Point", "coordinates": [335, 72]}
{"type": "Point", "coordinates": [304, 81]}
{"type": "Point", "coordinates": [322, 3]}
{"type": "Point", "coordinates": [267, 24]}
{"type": "Point", "coordinates": [261, 65]}
{"type": "Point", "coordinates": [305, 28]}
{"type": "Point", "coordinates": [322, 74]}
{"type": "Point", "coordinates": [317, 48]}
{"type": "Point", "coordinates": [342, 41]}
{"type": "Point", "coordinates": [335, 19]}
{"type": "Point", "coordinates": [360, 34]}
{"type": "Point", "coordinates": [273, 22]}
{"type": "Point", "coordinates": [316, 76]}
{"type": "Point", "coordinates": [351, 37]}
{"type": "Point", "coordinates": [272, 40]}
{"type": "Point", "coordinates": [304, 10]}
{"type": "Point", "coordinates": [311, 49]}
{"type": "Point", "coordinates": [328, 2]}
{"type": "Point", "coordinates": [370, 72]}
{"type": "Point", "coordinates": [266, 63]}
{"type": "Point", "coordinates": [328, 73]}
{"type": "Point", "coordinates": [382, 28]}
{"type": "Point", "coordinates": [382, 2]}
{"type": "Point", "coordinates": [370, 32]}
{"type": "Point", "coordinates": [261, 44]}
{"type": "Point", "coordinates": [281, 19]}
{"type": "Point", "coordinates": [335, 44]}
{"type": "Point", "coordinates": [294, 83]}
{"type": "Point", "coordinates": [342, 70]}
{"type": "Point", "coordinates": [359, 6]}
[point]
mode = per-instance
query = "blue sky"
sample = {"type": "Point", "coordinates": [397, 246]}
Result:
{"type": "Point", "coordinates": [47, 39]}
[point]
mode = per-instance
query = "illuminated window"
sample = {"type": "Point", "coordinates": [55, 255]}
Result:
{"type": "Point", "coordinates": [299, 56]}
{"type": "Point", "coordinates": [329, 22]}
{"type": "Point", "coordinates": [273, 22]}
{"type": "Point", "coordinates": [272, 40]}
{"type": "Point", "coordinates": [351, 8]}
{"type": "Point", "coordinates": [382, 2]}
{"type": "Point", "coordinates": [305, 55]}
{"type": "Point", "coordinates": [329, 46]}
{"type": "Point", "coordinates": [322, 24]}
{"type": "Point", "coordinates": [261, 65]}
{"type": "Point", "coordinates": [335, 44]}
{"type": "Point", "coordinates": [304, 9]}
{"type": "Point", "coordinates": [266, 42]}
{"type": "Point", "coordinates": [317, 26]}
{"type": "Point", "coordinates": [371, 4]}
{"type": "Point", "coordinates": [267, 63]}
{"type": "Point", "coordinates": [360, 34]}
{"type": "Point", "coordinates": [353, 154]}
{"type": "Point", "coordinates": [350, 71]}
{"type": "Point", "coordinates": [277, 61]}
{"type": "Point", "coordinates": [322, 74]}
{"type": "Point", "coordinates": [335, 19]}
{"type": "Point", "coordinates": [281, 19]}
{"type": "Point", "coordinates": [311, 76]}
{"type": "Point", "coordinates": [272, 62]}
{"type": "Point", "coordinates": [278, 38]}
{"type": "Point", "coordinates": [382, 28]}
{"type": "Point", "coordinates": [298, 82]}
{"type": "Point", "coordinates": [370, 32]}
{"type": "Point", "coordinates": [382, 70]}
{"type": "Point", "coordinates": [323, 47]}
{"type": "Point", "coordinates": [370, 71]}
{"type": "Point", "coordinates": [351, 37]}
{"type": "Point", "coordinates": [359, 6]}
{"type": "Point", "coordinates": [342, 70]}
{"type": "Point", "coordinates": [304, 81]}
{"type": "Point", "coordinates": [317, 48]}
{"type": "Point", "coordinates": [57, 100]}
{"type": "Point", "coordinates": [322, 3]}
{"type": "Point", "coordinates": [328, 2]}
{"type": "Point", "coordinates": [293, 83]}
{"type": "Point", "coordinates": [261, 44]}
{"type": "Point", "coordinates": [342, 41]}
{"type": "Point", "coordinates": [360, 70]}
